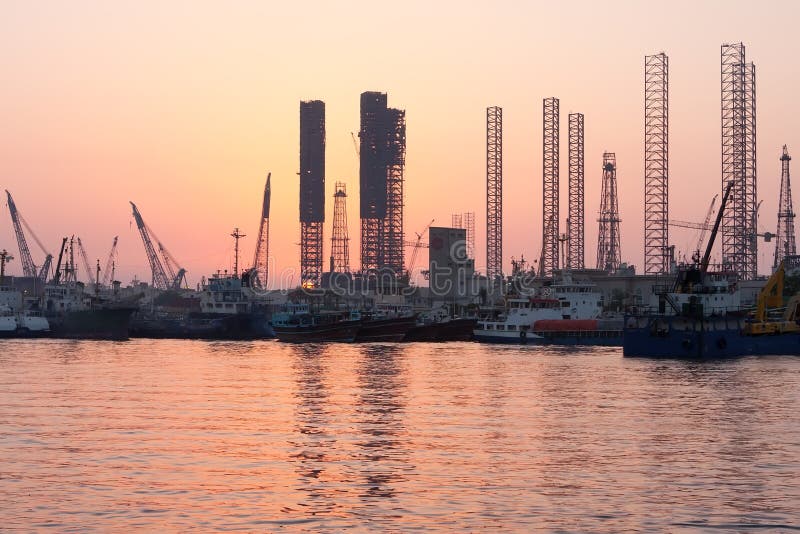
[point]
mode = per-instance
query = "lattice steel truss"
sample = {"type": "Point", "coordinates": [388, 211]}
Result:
{"type": "Point", "coordinates": [467, 222]}
{"type": "Point", "coordinates": [784, 238]}
{"type": "Point", "coordinates": [261, 257]}
{"type": "Point", "coordinates": [550, 160]}
{"type": "Point", "coordinates": [340, 238]}
{"type": "Point", "coordinates": [575, 215]}
{"type": "Point", "coordinates": [608, 241]}
{"type": "Point", "coordinates": [656, 164]}
{"type": "Point", "coordinates": [312, 190]}
{"type": "Point", "coordinates": [739, 245]}
{"type": "Point", "coordinates": [494, 192]}
{"type": "Point", "coordinates": [393, 235]}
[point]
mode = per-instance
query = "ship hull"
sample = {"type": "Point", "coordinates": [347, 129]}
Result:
{"type": "Point", "coordinates": [242, 326]}
{"type": "Point", "coordinates": [384, 330]}
{"type": "Point", "coordinates": [711, 338]}
{"type": "Point", "coordinates": [453, 330]}
{"type": "Point", "coordinates": [111, 324]}
{"type": "Point", "coordinates": [345, 332]}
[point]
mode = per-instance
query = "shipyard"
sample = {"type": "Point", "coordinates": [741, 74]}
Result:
{"type": "Point", "coordinates": [399, 267]}
{"type": "Point", "coordinates": [388, 294]}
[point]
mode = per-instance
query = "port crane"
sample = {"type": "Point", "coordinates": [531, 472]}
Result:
{"type": "Point", "coordinates": [174, 274]}
{"type": "Point", "coordinates": [418, 244]}
{"type": "Point", "coordinates": [28, 267]}
{"type": "Point", "coordinates": [108, 273]}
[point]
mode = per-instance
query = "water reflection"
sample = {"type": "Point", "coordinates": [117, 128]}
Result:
{"type": "Point", "coordinates": [379, 414]}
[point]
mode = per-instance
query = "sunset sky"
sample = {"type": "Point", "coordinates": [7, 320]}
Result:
{"type": "Point", "coordinates": [183, 107]}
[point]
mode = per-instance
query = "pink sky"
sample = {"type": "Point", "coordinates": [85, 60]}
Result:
{"type": "Point", "coordinates": [184, 107]}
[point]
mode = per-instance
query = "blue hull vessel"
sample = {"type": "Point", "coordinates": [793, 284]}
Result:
{"type": "Point", "coordinates": [658, 336]}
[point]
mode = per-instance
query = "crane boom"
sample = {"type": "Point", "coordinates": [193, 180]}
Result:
{"type": "Point", "coordinates": [417, 246]}
{"type": "Point", "coordinates": [160, 279]}
{"type": "Point", "coordinates": [28, 267]}
{"type": "Point", "coordinates": [705, 227]}
{"type": "Point", "coordinates": [110, 262]}
{"type": "Point", "coordinates": [85, 259]}
{"type": "Point", "coordinates": [713, 236]}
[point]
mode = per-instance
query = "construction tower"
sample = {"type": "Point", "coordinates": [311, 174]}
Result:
{"type": "Point", "coordinates": [550, 158]}
{"type": "Point", "coordinates": [656, 164]}
{"type": "Point", "coordinates": [575, 222]}
{"type": "Point", "coordinates": [312, 190]}
{"type": "Point", "coordinates": [393, 236]}
{"type": "Point", "coordinates": [261, 257]}
{"type": "Point", "coordinates": [381, 178]}
{"type": "Point", "coordinates": [738, 105]}
{"type": "Point", "coordinates": [494, 192]}
{"type": "Point", "coordinates": [340, 240]}
{"type": "Point", "coordinates": [608, 241]}
{"type": "Point", "coordinates": [784, 239]}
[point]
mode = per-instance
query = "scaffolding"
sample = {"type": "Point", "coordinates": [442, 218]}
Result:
{"type": "Point", "coordinates": [312, 190]}
{"type": "Point", "coordinates": [466, 221]}
{"type": "Point", "coordinates": [550, 160]}
{"type": "Point", "coordinates": [494, 192]}
{"type": "Point", "coordinates": [393, 235]}
{"type": "Point", "coordinates": [784, 238]}
{"type": "Point", "coordinates": [737, 84]}
{"type": "Point", "coordinates": [608, 241]}
{"type": "Point", "coordinates": [575, 221]}
{"type": "Point", "coordinates": [656, 164]}
{"type": "Point", "coordinates": [340, 239]}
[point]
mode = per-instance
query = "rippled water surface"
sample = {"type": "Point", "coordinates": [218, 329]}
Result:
{"type": "Point", "coordinates": [263, 436]}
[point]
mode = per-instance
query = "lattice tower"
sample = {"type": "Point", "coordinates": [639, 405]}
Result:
{"type": "Point", "coordinates": [393, 235]}
{"type": "Point", "coordinates": [575, 222]}
{"type": "Point", "coordinates": [656, 164]}
{"type": "Point", "coordinates": [784, 238]}
{"type": "Point", "coordinates": [373, 159]}
{"type": "Point", "coordinates": [312, 191]}
{"type": "Point", "coordinates": [494, 192]}
{"type": "Point", "coordinates": [550, 160]}
{"type": "Point", "coordinates": [340, 239]}
{"type": "Point", "coordinates": [608, 242]}
{"type": "Point", "coordinates": [467, 222]}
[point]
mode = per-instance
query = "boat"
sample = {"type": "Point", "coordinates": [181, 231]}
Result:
{"type": "Point", "coordinates": [73, 314]}
{"type": "Point", "coordinates": [436, 327]}
{"type": "Point", "coordinates": [564, 312]}
{"type": "Point", "coordinates": [700, 317]}
{"type": "Point", "coordinates": [224, 308]}
{"type": "Point", "coordinates": [305, 327]}
{"type": "Point", "coordinates": [386, 323]}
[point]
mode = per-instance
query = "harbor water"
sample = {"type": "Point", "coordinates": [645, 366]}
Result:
{"type": "Point", "coordinates": [162, 435]}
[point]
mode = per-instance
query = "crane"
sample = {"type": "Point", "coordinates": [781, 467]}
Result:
{"type": "Point", "coordinates": [418, 244]}
{"type": "Point", "coordinates": [108, 273]}
{"type": "Point", "coordinates": [28, 267]}
{"type": "Point", "coordinates": [85, 259]}
{"type": "Point", "coordinates": [160, 279]}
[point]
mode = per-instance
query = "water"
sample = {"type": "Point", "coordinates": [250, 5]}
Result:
{"type": "Point", "coordinates": [172, 435]}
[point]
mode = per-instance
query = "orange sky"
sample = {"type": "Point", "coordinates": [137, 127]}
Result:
{"type": "Point", "coordinates": [184, 107]}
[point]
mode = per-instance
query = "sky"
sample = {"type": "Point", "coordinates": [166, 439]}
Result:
{"type": "Point", "coordinates": [183, 107]}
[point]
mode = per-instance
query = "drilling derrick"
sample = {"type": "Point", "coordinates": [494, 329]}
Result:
{"type": "Point", "coordinates": [373, 177]}
{"type": "Point", "coordinates": [393, 249]}
{"type": "Point", "coordinates": [494, 193]}
{"type": "Point", "coordinates": [340, 240]}
{"type": "Point", "coordinates": [739, 248]}
{"type": "Point", "coordinates": [784, 242]}
{"type": "Point", "coordinates": [550, 130]}
{"type": "Point", "coordinates": [312, 190]}
{"type": "Point", "coordinates": [656, 164]}
{"type": "Point", "coordinates": [261, 257]}
{"type": "Point", "coordinates": [575, 222]}
{"type": "Point", "coordinates": [608, 242]}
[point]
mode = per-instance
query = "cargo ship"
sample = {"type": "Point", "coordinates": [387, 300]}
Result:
{"type": "Point", "coordinates": [305, 327]}
{"type": "Point", "coordinates": [72, 314]}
